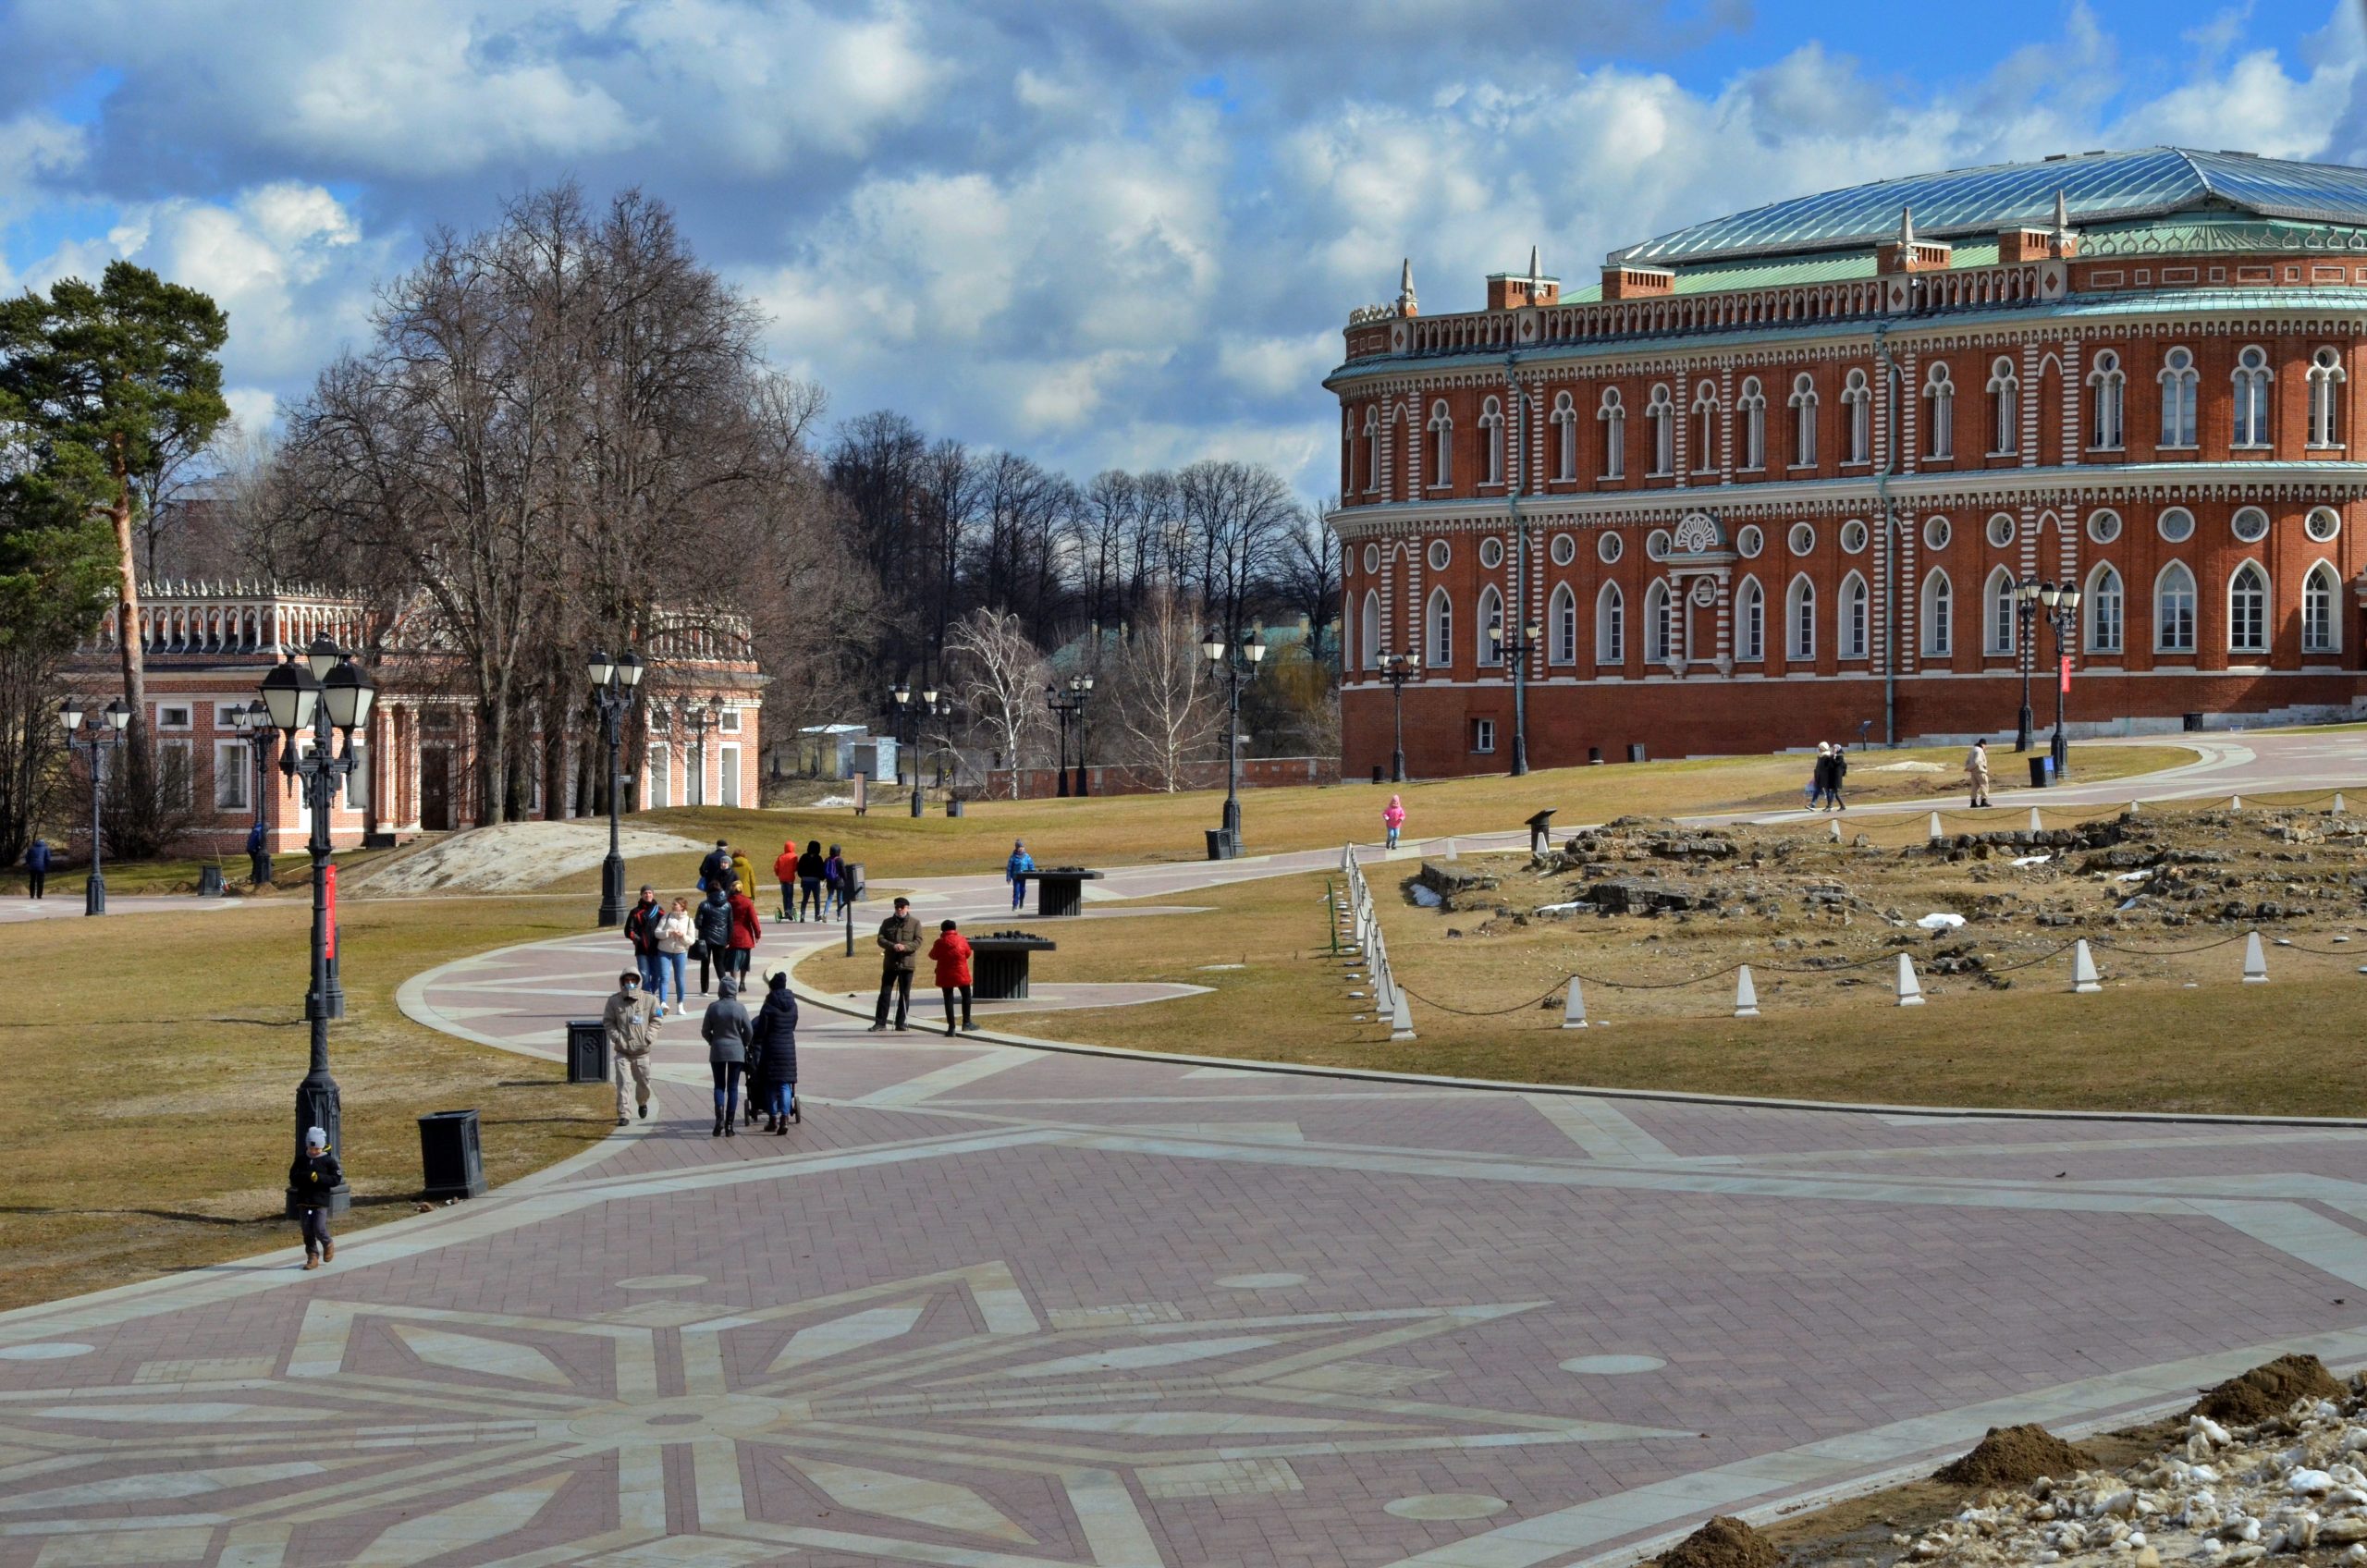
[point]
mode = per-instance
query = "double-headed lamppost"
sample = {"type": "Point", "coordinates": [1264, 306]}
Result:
{"type": "Point", "coordinates": [105, 734]}
{"type": "Point", "coordinates": [698, 718]}
{"type": "Point", "coordinates": [1397, 669]}
{"type": "Point", "coordinates": [612, 686]}
{"type": "Point", "coordinates": [2026, 593]}
{"type": "Point", "coordinates": [2062, 610]}
{"type": "Point", "coordinates": [255, 722]}
{"type": "Point", "coordinates": [904, 694]}
{"type": "Point", "coordinates": [1516, 651]}
{"type": "Point", "coordinates": [1239, 662]}
{"type": "Point", "coordinates": [331, 696]}
{"type": "Point", "coordinates": [1064, 705]}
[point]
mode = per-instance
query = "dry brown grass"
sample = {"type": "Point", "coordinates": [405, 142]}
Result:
{"type": "Point", "coordinates": [153, 1073]}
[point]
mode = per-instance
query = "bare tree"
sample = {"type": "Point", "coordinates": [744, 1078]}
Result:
{"type": "Point", "coordinates": [1163, 693]}
{"type": "Point", "coordinates": [1239, 515]}
{"type": "Point", "coordinates": [996, 673]}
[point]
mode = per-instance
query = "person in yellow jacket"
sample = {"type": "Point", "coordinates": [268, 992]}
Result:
{"type": "Point", "coordinates": [744, 871]}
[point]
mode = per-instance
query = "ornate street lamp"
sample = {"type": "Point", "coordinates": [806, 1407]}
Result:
{"type": "Point", "coordinates": [908, 717]}
{"type": "Point", "coordinates": [1516, 651]}
{"type": "Point", "coordinates": [1067, 703]}
{"type": "Point", "coordinates": [1237, 663]}
{"type": "Point", "coordinates": [253, 721]}
{"type": "Point", "coordinates": [612, 689]}
{"type": "Point", "coordinates": [333, 702]}
{"type": "Point", "coordinates": [2063, 614]}
{"type": "Point", "coordinates": [1397, 669]}
{"type": "Point", "coordinates": [2026, 593]}
{"type": "Point", "coordinates": [107, 728]}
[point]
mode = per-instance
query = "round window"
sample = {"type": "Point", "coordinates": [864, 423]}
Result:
{"type": "Point", "coordinates": [1610, 548]}
{"type": "Point", "coordinates": [1749, 542]}
{"type": "Point", "coordinates": [1802, 539]}
{"type": "Point", "coordinates": [2323, 524]}
{"type": "Point", "coordinates": [1656, 543]}
{"type": "Point", "coordinates": [1491, 553]}
{"type": "Point", "coordinates": [1936, 534]}
{"type": "Point", "coordinates": [2103, 527]}
{"type": "Point", "coordinates": [1441, 554]}
{"type": "Point", "coordinates": [2001, 531]}
{"type": "Point", "coordinates": [2251, 524]}
{"type": "Point", "coordinates": [1372, 557]}
{"type": "Point", "coordinates": [1564, 548]}
{"type": "Point", "coordinates": [1853, 537]}
{"type": "Point", "coordinates": [2177, 524]}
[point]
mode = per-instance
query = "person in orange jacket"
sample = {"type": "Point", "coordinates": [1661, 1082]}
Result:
{"type": "Point", "coordinates": [951, 953]}
{"type": "Point", "coordinates": [785, 872]}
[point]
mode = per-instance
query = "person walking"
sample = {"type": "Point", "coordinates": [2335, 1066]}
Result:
{"type": "Point", "coordinates": [834, 883]}
{"type": "Point", "coordinates": [951, 953]}
{"type": "Point", "coordinates": [809, 882]}
{"type": "Point", "coordinates": [641, 922]}
{"type": "Point", "coordinates": [712, 923]}
{"type": "Point", "coordinates": [1819, 774]}
{"type": "Point", "coordinates": [1839, 771]}
{"type": "Point", "coordinates": [1393, 820]}
{"type": "Point", "coordinates": [900, 940]}
{"type": "Point", "coordinates": [785, 872]}
{"type": "Point", "coordinates": [743, 872]}
{"type": "Point", "coordinates": [675, 936]}
{"type": "Point", "coordinates": [716, 866]}
{"type": "Point", "coordinates": [1976, 772]}
{"type": "Point", "coordinates": [627, 1020]}
{"type": "Point", "coordinates": [258, 858]}
{"type": "Point", "coordinates": [776, 1041]}
{"type": "Point", "coordinates": [725, 1030]}
{"type": "Point", "coordinates": [745, 930]}
{"type": "Point", "coordinates": [1016, 870]}
{"type": "Point", "coordinates": [37, 868]}
{"type": "Point", "coordinates": [313, 1176]}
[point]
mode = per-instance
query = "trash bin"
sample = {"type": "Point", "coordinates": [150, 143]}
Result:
{"type": "Point", "coordinates": [1221, 845]}
{"type": "Point", "coordinates": [1594, 756]}
{"type": "Point", "coordinates": [1634, 751]}
{"type": "Point", "coordinates": [854, 881]}
{"type": "Point", "coordinates": [1375, 773]}
{"type": "Point", "coordinates": [209, 881]}
{"type": "Point", "coordinates": [2041, 771]}
{"type": "Point", "coordinates": [2193, 721]}
{"type": "Point", "coordinates": [1541, 832]}
{"type": "Point", "coordinates": [450, 1155]}
{"type": "Point", "coordinates": [587, 1051]}
{"type": "Point", "coordinates": [953, 805]}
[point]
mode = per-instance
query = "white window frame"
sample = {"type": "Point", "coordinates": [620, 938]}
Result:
{"type": "Point", "coordinates": [1752, 405]}
{"type": "Point", "coordinates": [2321, 614]}
{"type": "Point", "coordinates": [1372, 451]}
{"type": "Point", "coordinates": [1662, 411]}
{"type": "Point", "coordinates": [1565, 436]}
{"type": "Point", "coordinates": [1936, 610]}
{"type": "Point", "coordinates": [1854, 630]}
{"type": "Point", "coordinates": [1613, 416]}
{"type": "Point", "coordinates": [1368, 631]}
{"type": "Point", "coordinates": [1858, 399]}
{"type": "Point", "coordinates": [2251, 411]}
{"type": "Point", "coordinates": [1483, 735]}
{"type": "Point", "coordinates": [233, 765]}
{"type": "Point", "coordinates": [2171, 636]}
{"type": "Point", "coordinates": [1803, 406]}
{"type": "Point", "coordinates": [2107, 607]}
{"type": "Point", "coordinates": [2252, 620]}
{"type": "Point", "coordinates": [1487, 640]}
{"type": "Point", "coordinates": [1611, 625]}
{"type": "Point", "coordinates": [1799, 621]}
{"type": "Point", "coordinates": [729, 779]}
{"type": "Point", "coordinates": [1492, 440]}
{"type": "Point", "coordinates": [186, 749]}
{"type": "Point", "coordinates": [1705, 429]}
{"type": "Point", "coordinates": [1940, 420]}
{"type": "Point", "coordinates": [1561, 623]}
{"type": "Point", "coordinates": [1437, 620]}
{"type": "Point", "coordinates": [1441, 446]}
{"type": "Point", "coordinates": [1750, 622]}
{"type": "Point", "coordinates": [2005, 409]}
{"type": "Point", "coordinates": [2000, 617]}
{"type": "Point", "coordinates": [2326, 377]}
{"type": "Point", "coordinates": [2179, 380]}
{"type": "Point", "coordinates": [657, 768]}
{"type": "Point", "coordinates": [1660, 623]}
{"type": "Point", "coordinates": [2107, 403]}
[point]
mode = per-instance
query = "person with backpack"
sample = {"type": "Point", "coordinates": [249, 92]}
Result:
{"type": "Point", "coordinates": [834, 883]}
{"type": "Point", "coordinates": [951, 953]}
{"type": "Point", "coordinates": [712, 924]}
{"type": "Point", "coordinates": [809, 882]}
{"type": "Point", "coordinates": [1016, 870]}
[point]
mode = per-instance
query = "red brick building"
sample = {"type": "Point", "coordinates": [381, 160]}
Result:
{"type": "Point", "coordinates": [207, 646]}
{"type": "Point", "coordinates": [1773, 478]}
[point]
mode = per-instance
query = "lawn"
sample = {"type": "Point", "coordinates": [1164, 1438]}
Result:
{"type": "Point", "coordinates": [149, 1127]}
{"type": "Point", "coordinates": [2148, 1043]}
{"type": "Point", "coordinates": [1134, 829]}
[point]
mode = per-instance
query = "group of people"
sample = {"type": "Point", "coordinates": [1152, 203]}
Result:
{"type": "Point", "coordinates": [814, 886]}
{"type": "Point", "coordinates": [1832, 770]}
{"type": "Point", "coordinates": [900, 946]}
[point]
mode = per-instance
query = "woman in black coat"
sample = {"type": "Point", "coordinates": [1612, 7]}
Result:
{"type": "Point", "coordinates": [776, 1038]}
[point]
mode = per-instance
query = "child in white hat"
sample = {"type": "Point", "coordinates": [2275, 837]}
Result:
{"type": "Point", "coordinates": [314, 1177]}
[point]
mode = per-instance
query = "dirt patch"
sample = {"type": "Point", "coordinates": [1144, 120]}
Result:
{"type": "Point", "coordinates": [2014, 1456]}
{"type": "Point", "coordinates": [1724, 1542]}
{"type": "Point", "coordinates": [2268, 1390]}
{"type": "Point", "coordinates": [514, 857]}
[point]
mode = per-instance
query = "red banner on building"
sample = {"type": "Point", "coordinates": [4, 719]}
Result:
{"type": "Point", "coordinates": [329, 877]}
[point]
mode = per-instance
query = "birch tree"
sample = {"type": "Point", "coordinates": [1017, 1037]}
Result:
{"type": "Point", "coordinates": [999, 675]}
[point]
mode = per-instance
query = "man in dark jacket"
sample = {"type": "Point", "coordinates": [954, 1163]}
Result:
{"type": "Point", "coordinates": [714, 867]}
{"type": "Point", "coordinates": [1840, 774]}
{"type": "Point", "coordinates": [776, 1037]}
{"type": "Point", "coordinates": [37, 867]}
{"type": "Point", "coordinates": [641, 930]}
{"type": "Point", "coordinates": [712, 921]}
{"type": "Point", "coordinates": [313, 1177]}
{"type": "Point", "coordinates": [258, 858]}
{"type": "Point", "coordinates": [900, 943]}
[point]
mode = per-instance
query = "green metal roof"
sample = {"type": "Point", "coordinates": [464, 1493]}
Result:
{"type": "Point", "coordinates": [2096, 189]}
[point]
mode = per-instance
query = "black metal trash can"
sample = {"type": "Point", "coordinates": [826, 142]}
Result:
{"type": "Point", "coordinates": [1221, 845]}
{"type": "Point", "coordinates": [451, 1157]}
{"type": "Point", "coordinates": [2041, 771]}
{"type": "Point", "coordinates": [854, 883]}
{"type": "Point", "coordinates": [587, 1051]}
{"type": "Point", "coordinates": [209, 881]}
{"type": "Point", "coordinates": [1634, 751]}
{"type": "Point", "coordinates": [953, 805]}
{"type": "Point", "coordinates": [1375, 773]}
{"type": "Point", "coordinates": [1594, 753]}
{"type": "Point", "coordinates": [2193, 721]}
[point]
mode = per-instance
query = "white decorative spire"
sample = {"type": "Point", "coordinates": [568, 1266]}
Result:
{"type": "Point", "coordinates": [2062, 216]}
{"type": "Point", "coordinates": [1406, 301]}
{"type": "Point", "coordinates": [1536, 273]}
{"type": "Point", "coordinates": [1906, 226]}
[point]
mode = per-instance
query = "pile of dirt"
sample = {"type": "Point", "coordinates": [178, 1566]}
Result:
{"type": "Point", "coordinates": [2268, 1390]}
{"type": "Point", "coordinates": [2014, 1456]}
{"type": "Point", "coordinates": [1724, 1542]}
{"type": "Point", "coordinates": [516, 857]}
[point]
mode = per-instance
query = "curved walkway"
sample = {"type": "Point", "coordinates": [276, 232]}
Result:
{"type": "Point", "coordinates": [994, 1307]}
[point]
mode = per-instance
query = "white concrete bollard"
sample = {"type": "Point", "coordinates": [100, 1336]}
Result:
{"type": "Point", "coordinates": [1401, 1019]}
{"type": "Point", "coordinates": [2036, 825]}
{"type": "Point", "coordinates": [2235, 803]}
{"type": "Point", "coordinates": [1746, 995]}
{"type": "Point", "coordinates": [1833, 831]}
{"type": "Point", "coordinates": [2255, 961]}
{"type": "Point", "coordinates": [2133, 808]}
{"type": "Point", "coordinates": [1450, 850]}
{"type": "Point", "coordinates": [2339, 809]}
{"type": "Point", "coordinates": [1348, 857]}
{"type": "Point", "coordinates": [1910, 989]}
{"type": "Point", "coordinates": [1935, 834]}
{"type": "Point", "coordinates": [1573, 1006]}
{"type": "Point", "coordinates": [2084, 979]}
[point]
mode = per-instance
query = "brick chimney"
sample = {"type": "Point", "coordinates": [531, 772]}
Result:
{"type": "Point", "coordinates": [1906, 253]}
{"type": "Point", "coordinates": [1510, 291]}
{"type": "Point", "coordinates": [1636, 283]}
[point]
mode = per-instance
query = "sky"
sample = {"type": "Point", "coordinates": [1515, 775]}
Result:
{"type": "Point", "coordinates": [1107, 233]}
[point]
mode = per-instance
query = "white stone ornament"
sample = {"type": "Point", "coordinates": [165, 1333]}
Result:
{"type": "Point", "coordinates": [1746, 995]}
{"type": "Point", "coordinates": [1573, 1006]}
{"type": "Point", "coordinates": [2255, 961]}
{"type": "Point", "coordinates": [1401, 1019]}
{"type": "Point", "coordinates": [1935, 834]}
{"type": "Point", "coordinates": [1910, 989]}
{"type": "Point", "coordinates": [2084, 979]}
{"type": "Point", "coordinates": [2035, 826]}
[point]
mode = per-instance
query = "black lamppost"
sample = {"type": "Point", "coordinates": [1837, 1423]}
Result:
{"type": "Point", "coordinates": [2062, 610]}
{"type": "Point", "coordinates": [904, 693]}
{"type": "Point", "coordinates": [1239, 662]}
{"type": "Point", "coordinates": [612, 687]}
{"type": "Point", "coordinates": [1066, 705]}
{"type": "Point", "coordinates": [2026, 645]}
{"type": "Point", "coordinates": [1397, 669]}
{"type": "Point", "coordinates": [698, 718]}
{"type": "Point", "coordinates": [254, 721]}
{"type": "Point", "coordinates": [330, 701]}
{"type": "Point", "coordinates": [105, 734]}
{"type": "Point", "coordinates": [1531, 634]}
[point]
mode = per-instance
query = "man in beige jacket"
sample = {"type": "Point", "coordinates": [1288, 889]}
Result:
{"type": "Point", "coordinates": [1976, 772]}
{"type": "Point", "coordinates": [628, 1020]}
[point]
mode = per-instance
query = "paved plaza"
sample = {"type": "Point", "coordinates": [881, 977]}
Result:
{"type": "Point", "coordinates": [995, 1306]}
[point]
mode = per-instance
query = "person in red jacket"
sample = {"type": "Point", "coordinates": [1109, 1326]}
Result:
{"type": "Point", "coordinates": [785, 872]}
{"type": "Point", "coordinates": [951, 953]}
{"type": "Point", "coordinates": [745, 930]}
